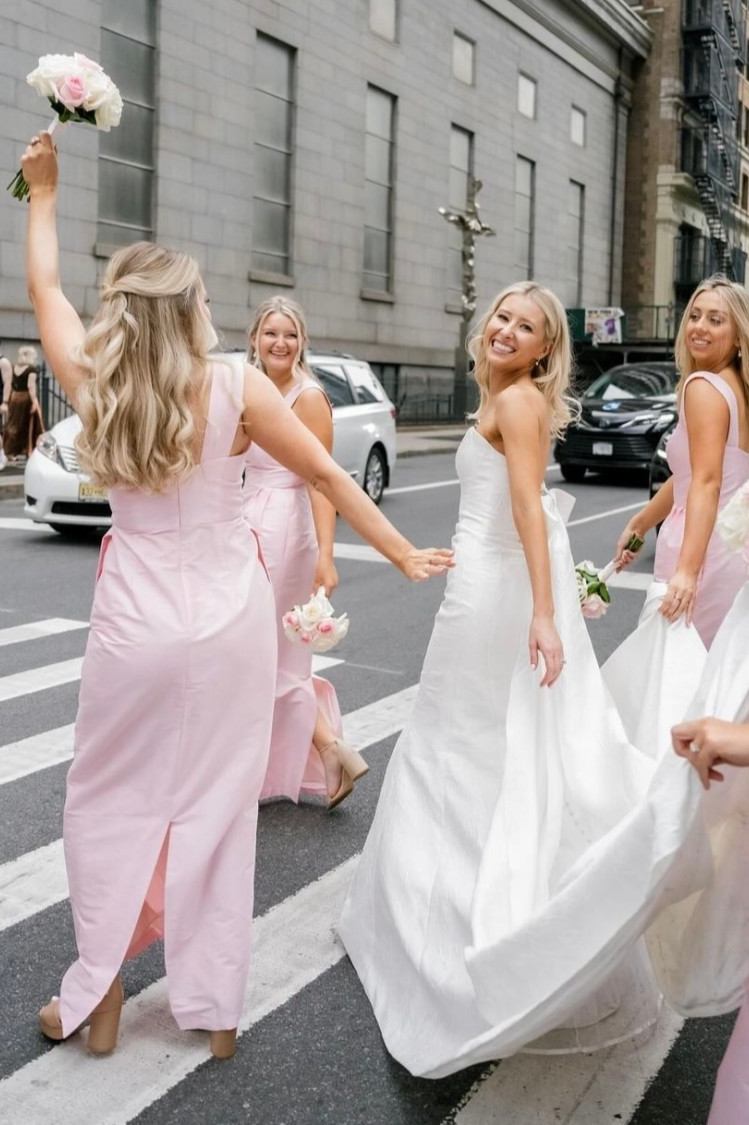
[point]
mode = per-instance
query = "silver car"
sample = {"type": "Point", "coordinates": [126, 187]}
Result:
{"type": "Point", "coordinates": [59, 494]}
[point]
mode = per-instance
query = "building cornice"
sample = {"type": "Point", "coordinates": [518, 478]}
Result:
{"type": "Point", "coordinates": [616, 18]}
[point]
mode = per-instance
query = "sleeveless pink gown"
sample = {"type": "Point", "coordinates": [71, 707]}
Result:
{"type": "Point", "coordinates": [172, 738]}
{"type": "Point", "coordinates": [278, 507]}
{"type": "Point", "coordinates": [723, 572]}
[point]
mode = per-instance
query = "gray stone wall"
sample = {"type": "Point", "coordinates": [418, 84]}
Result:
{"type": "Point", "coordinates": [204, 159]}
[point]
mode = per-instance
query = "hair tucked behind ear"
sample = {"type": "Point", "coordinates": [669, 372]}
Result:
{"type": "Point", "coordinates": [149, 334]}
{"type": "Point", "coordinates": [553, 373]}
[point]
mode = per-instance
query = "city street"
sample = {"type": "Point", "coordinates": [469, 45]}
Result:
{"type": "Point", "coordinates": [310, 1052]}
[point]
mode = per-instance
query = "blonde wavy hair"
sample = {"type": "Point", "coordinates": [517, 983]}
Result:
{"type": "Point", "coordinates": [737, 303]}
{"type": "Point", "coordinates": [552, 374]}
{"type": "Point", "coordinates": [149, 335]}
{"type": "Point", "coordinates": [295, 313]}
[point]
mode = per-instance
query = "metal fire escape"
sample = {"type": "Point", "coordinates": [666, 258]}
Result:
{"type": "Point", "coordinates": [714, 49]}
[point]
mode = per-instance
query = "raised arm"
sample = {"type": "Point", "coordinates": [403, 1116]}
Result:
{"type": "Point", "coordinates": [519, 420]}
{"type": "Point", "coordinates": [60, 327]}
{"type": "Point", "coordinates": [276, 429]}
{"type": "Point", "coordinates": [313, 409]}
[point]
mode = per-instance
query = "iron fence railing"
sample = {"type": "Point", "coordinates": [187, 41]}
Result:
{"type": "Point", "coordinates": [52, 399]}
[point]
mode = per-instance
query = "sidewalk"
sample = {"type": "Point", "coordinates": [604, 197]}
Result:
{"type": "Point", "coordinates": [414, 441]}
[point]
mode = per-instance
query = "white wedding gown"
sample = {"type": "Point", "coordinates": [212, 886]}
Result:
{"type": "Point", "coordinates": [521, 843]}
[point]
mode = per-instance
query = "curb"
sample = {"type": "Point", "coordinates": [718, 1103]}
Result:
{"type": "Point", "coordinates": [425, 452]}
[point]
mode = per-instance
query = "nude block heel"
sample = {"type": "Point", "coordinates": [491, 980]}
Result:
{"type": "Point", "coordinates": [104, 1021]}
{"type": "Point", "coordinates": [352, 765]}
{"type": "Point", "coordinates": [224, 1043]}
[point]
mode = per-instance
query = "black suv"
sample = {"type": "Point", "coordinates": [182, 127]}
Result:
{"type": "Point", "coordinates": [624, 412]}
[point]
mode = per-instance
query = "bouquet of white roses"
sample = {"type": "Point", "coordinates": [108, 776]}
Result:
{"type": "Point", "coordinates": [78, 90]}
{"type": "Point", "coordinates": [733, 522]}
{"type": "Point", "coordinates": [313, 624]}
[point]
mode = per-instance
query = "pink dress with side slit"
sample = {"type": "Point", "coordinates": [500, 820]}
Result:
{"type": "Point", "coordinates": [278, 508]}
{"type": "Point", "coordinates": [172, 738]}
{"type": "Point", "coordinates": [724, 571]}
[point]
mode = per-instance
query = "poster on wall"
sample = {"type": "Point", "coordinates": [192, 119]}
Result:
{"type": "Point", "coordinates": [604, 325]}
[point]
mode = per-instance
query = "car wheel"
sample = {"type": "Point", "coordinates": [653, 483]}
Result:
{"type": "Point", "coordinates": [575, 474]}
{"type": "Point", "coordinates": [72, 530]}
{"type": "Point", "coordinates": [375, 474]}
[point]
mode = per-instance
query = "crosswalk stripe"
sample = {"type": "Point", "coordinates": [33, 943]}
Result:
{"type": "Point", "coordinates": [584, 1089]}
{"type": "Point", "coordinates": [38, 752]}
{"type": "Point", "coordinates": [36, 880]}
{"type": "Point", "coordinates": [35, 629]}
{"type": "Point", "coordinates": [8, 523]}
{"type": "Point", "coordinates": [39, 679]}
{"type": "Point", "coordinates": [293, 944]}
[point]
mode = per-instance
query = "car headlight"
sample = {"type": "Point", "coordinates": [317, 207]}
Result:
{"type": "Point", "coordinates": [663, 421]}
{"type": "Point", "coordinates": [47, 446]}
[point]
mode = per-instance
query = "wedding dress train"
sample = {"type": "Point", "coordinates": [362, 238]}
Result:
{"type": "Point", "coordinates": [521, 842]}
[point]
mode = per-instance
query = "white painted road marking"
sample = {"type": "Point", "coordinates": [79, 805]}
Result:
{"type": "Point", "coordinates": [10, 524]}
{"type": "Point", "coordinates": [440, 484]}
{"type": "Point", "coordinates": [39, 752]}
{"type": "Point", "coordinates": [293, 944]}
{"type": "Point", "coordinates": [605, 515]}
{"type": "Point", "coordinates": [36, 880]}
{"type": "Point", "coordinates": [39, 679]}
{"type": "Point", "coordinates": [35, 629]}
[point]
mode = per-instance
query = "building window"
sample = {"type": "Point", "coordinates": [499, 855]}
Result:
{"type": "Point", "coordinates": [526, 95]}
{"type": "Point", "coordinates": [383, 18]}
{"type": "Point", "coordinates": [525, 186]}
{"type": "Point", "coordinates": [461, 168]}
{"type": "Point", "coordinates": [274, 123]}
{"type": "Point", "coordinates": [578, 122]}
{"type": "Point", "coordinates": [464, 53]}
{"type": "Point", "coordinates": [378, 224]}
{"type": "Point", "coordinates": [126, 154]}
{"type": "Point", "coordinates": [746, 127]}
{"type": "Point", "coordinates": [744, 192]}
{"type": "Point", "coordinates": [575, 226]}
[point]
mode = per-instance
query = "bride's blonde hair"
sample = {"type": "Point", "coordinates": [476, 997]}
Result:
{"type": "Point", "coordinates": [552, 373]}
{"type": "Point", "coordinates": [149, 335]}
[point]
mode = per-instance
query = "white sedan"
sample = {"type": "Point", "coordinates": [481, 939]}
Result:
{"type": "Point", "coordinates": [59, 494]}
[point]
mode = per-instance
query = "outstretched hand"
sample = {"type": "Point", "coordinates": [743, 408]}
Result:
{"type": "Point", "coordinates": [418, 565]}
{"type": "Point", "coordinates": [39, 163]}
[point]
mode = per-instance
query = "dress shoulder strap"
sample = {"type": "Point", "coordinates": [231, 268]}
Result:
{"type": "Point", "coordinates": [305, 384]}
{"type": "Point", "coordinates": [729, 395]}
{"type": "Point", "coordinates": [226, 402]}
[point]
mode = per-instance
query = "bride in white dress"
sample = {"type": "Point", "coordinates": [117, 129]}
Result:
{"type": "Point", "coordinates": [521, 843]}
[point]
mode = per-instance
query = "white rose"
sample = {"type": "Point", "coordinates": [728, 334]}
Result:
{"type": "Point", "coordinates": [51, 71]}
{"type": "Point", "coordinates": [103, 98]}
{"type": "Point", "coordinates": [733, 520]}
{"type": "Point", "coordinates": [311, 613]}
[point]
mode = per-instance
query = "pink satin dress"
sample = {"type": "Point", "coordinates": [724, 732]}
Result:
{"type": "Point", "coordinates": [723, 571]}
{"type": "Point", "coordinates": [731, 1098]}
{"type": "Point", "coordinates": [278, 508]}
{"type": "Point", "coordinates": [172, 736]}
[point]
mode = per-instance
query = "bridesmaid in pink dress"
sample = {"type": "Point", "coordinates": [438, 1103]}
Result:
{"type": "Point", "coordinates": [170, 746]}
{"type": "Point", "coordinates": [708, 454]}
{"type": "Point", "coordinates": [296, 527]}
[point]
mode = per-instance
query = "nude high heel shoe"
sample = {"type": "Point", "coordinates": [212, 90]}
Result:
{"type": "Point", "coordinates": [103, 1023]}
{"type": "Point", "coordinates": [353, 767]}
{"type": "Point", "coordinates": [224, 1043]}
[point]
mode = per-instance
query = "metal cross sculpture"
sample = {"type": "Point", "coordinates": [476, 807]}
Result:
{"type": "Point", "coordinates": [471, 226]}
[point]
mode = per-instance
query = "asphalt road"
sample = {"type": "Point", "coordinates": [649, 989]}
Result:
{"type": "Point", "coordinates": [313, 1055]}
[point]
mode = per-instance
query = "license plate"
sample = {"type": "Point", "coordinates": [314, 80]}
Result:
{"type": "Point", "coordinates": [602, 448]}
{"type": "Point", "coordinates": [91, 493]}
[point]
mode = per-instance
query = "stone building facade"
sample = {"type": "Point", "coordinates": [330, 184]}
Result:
{"type": "Point", "coordinates": [305, 146]}
{"type": "Point", "coordinates": [687, 194]}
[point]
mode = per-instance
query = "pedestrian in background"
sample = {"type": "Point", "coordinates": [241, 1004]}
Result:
{"type": "Point", "coordinates": [24, 415]}
{"type": "Point", "coordinates": [177, 687]}
{"type": "Point", "coordinates": [6, 376]}
{"type": "Point", "coordinates": [296, 526]}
